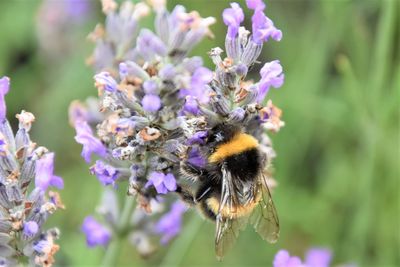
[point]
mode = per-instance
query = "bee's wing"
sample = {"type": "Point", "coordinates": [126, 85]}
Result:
{"type": "Point", "coordinates": [227, 229]}
{"type": "Point", "coordinates": [264, 217]}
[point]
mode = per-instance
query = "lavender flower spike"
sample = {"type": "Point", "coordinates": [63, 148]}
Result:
{"type": "Point", "coordinates": [4, 87]}
{"type": "Point", "coordinates": [24, 211]}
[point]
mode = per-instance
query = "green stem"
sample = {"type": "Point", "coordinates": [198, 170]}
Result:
{"type": "Point", "coordinates": [114, 248]}
{"type": "Point", "coordinates": [179, 248]}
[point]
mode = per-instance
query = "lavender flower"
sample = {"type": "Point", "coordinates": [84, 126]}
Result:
{"type": "Point", "coordinates": [96, 234]}
{"type": "Point", "coordinates": [271, 75]}
{"type": "Point", "coordinates": [255, 4]}
{"type": "Point", "coordinates": [316, 257]}
{"type": "Point", "coordinates": [30, 228]}
{"type": "Point", "coordinates": [170, 224]}
{"type": "Point", "coordinates": [84, 136]}
{"type": "Point", "coordinates": [263, 28]}
{"type": "Point", "coordinates": [44, 173]}
{"type": "Point", "coordinates": [4, 87]}
{"type": "Point", "coordinates": [106, 174]}
{"type": "Point", "coordinates": [156, 104]}
{"type": "Point", "coordinates": [163, 183]}
{"type": "Point", "coordinates": [105, 81]}
{"type": "Point", "coordinates": [25, 210]}
{"type": "Point", "coordinates": [232, 18]}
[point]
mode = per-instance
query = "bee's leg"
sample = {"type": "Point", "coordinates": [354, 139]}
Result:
{"type": "Point", "coordinates": [192, 172]}
{"type": "Point", "coordinates": [186, 194]}
{"type": "Point", "coordinates": [203, 191]}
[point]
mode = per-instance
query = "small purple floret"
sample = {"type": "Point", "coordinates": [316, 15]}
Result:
{"type": "Point", "coordinates": [151, 103]}
{"type": "Point", "coordinates": [106, 80]}
{"type": "Point", "coordinates": [232, 18]}
{"type": "Point", "coordinates": [170, 224]}
{"type": "Point", "coordinates": [318, 257]}
{"type": "Point", "coordinates": [163, 183]}
{"type": "Point", "coordinates": [105, 173]}
{"type": "Point", "coordinates": [283, 259]}
{"type": "Point", "coordinates": [4, 88]}
{"type": "Point", "coordinates": [96, 233]}
{"type": "Point", "coordinates": [255, 4]}
{"type": "Point", "coordinates": [44, 173]}
{"type": "Point", "coordinates": [263, 28]}
{"type": "Point", "coordinates": [30, 228]}
{"type": "Point", "coordinates": [198, 138]}
{"type": "Point", "coordinates": [271, 75]}
{"type": "Point", "coordinates": [84, 136]}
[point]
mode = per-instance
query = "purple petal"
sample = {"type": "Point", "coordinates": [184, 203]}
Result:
{"type": "Point", "coordinates": [4, 88]}
{"type": "Point", "coordinates": [318, 257]}
{"type": "Point", "coordinates": [255, 4]}
{"type": "Point", "coordinates": [105, 80]}
{"type": "Point", "coordinates": [30, 228]}
{"type": "Point", "coordinates": [44, 173]}
{"type": "Point", "coordinates": [170, 182]}
{"type": "Point", "coordinates": [150, 87]}
{"type": "Point", "coordinates": [91, 144]}
{"type": "Point", "coordinates": [96, 234]}
{"type": "Point", "coordinates": [151, 103]}
{"type": "Point", "coordinates": [57, 182]}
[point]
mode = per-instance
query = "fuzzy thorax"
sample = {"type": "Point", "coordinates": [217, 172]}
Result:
{"type": "Point", "coordinates": [239, 143]}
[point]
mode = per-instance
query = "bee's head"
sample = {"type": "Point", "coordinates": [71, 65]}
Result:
{"type": "Point", "coordinates": [222, 133]}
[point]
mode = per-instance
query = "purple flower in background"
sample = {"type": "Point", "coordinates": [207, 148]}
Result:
{"type": "Point", "coordinates": [151, 103]}
{"type": "Point", "coordinates": [105, 81]}
{"type": "Point", "coordinates": [45, 173]}
{"type": "Point", "coordinates": [91, 144]}
{"type": "Point", "coordinates": [163, 183]}
{"type": "Point", "coordinates": [255, 4]}
{"type": "Point", "coordinates": [196, 159]}
{"type": "Point", "coordinates": [105, 173]}
{"type": "Point", "coordinates": [271, 75]}
{"type": "Point", "coordinates": [78, 9]}
{"type": "Point", "coordinates": [198, 138]}
{"type": "Point", "coordinates": [4, 87]}
{"type": "Point", "coordinates": [283, 259]}
{"type": "Point", "coordinates": [232, 18]}
{"type": "Point", "coordinates": [198, 85]}
{"type": "Point", "coordinates": [263, 28]}
{"type": "Point", "coordinates": [318, 257]}
{"type": "Point", "coordinates": [96, 233]}
{"type": "Point", "coordinates": [170, 224]}
{"type": "Point", "coordinates": [30, 228]}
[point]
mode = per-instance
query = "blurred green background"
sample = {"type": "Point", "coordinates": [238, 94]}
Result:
{"type": "Point", "coordinates": [338, 155]}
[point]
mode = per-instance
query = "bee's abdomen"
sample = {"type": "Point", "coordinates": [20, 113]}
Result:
{"type": "Point", "coordinates": [245, 165]}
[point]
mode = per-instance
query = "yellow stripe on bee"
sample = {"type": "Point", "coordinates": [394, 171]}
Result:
{"type": "Point", "coordinates": [234, 212]}
{"type": "Point", "coordinates": [240, 143]}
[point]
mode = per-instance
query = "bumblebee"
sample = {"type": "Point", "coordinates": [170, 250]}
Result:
{"type": "Point", "coordinates": [231, 188]}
